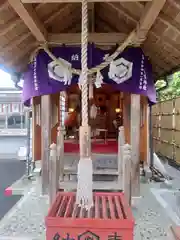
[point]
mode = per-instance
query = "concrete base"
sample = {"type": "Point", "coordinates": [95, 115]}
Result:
{"type": "Point", "coordinates": [135, 201]}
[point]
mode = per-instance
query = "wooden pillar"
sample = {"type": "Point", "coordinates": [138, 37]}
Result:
{"type": "Point", "coordinates": [36, 128]}
{"type": "Point", "coordinates": [55, 117]}
{"type": "Point", "coordinates": [60, 152]}
{"type": "Point", "coordinates": [121, 142]}
{"type": "Point", "coordinates": [143, 129]}
{"type": "Point", "coordinates": [135, 143]}
{"type": "Point", "coordinates": [53, 173]}
{"type": "Point", "coordinates": [126, 179]}
{"type": "Point", "coordinates": [33, 131]}
{"type": "Point", "coordinates": [46, 114]}
{"type": "Point", "coordinates": [126, 116]}
{"type": "Point", "coordinates": [148, 132]}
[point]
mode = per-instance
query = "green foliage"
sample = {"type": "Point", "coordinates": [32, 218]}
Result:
{"type": "Point", "coordinates": [173, 89]}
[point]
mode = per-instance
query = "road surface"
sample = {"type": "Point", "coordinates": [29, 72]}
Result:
{"type": "Point", "coordinates": [9, 146]}
{"type": "Point", "coordinates": [10, 171]}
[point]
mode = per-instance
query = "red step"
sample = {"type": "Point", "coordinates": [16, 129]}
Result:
{"type": "Point", "coordinates": [176, 232]}
{"type": "Point", "coordinates": [110, 218]}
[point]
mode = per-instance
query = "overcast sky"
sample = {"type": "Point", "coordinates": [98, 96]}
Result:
{"type": "Point", "coordinates": [5, 80]}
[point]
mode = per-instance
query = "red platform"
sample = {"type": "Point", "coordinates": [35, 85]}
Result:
{"type": "Point", "coordinates": [111, 218]}
{"type": "Point", "coordinates": [97, 147]}
{"type": "Point", "coordinates": [176, 232]}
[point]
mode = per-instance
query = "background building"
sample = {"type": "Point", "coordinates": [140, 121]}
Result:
{"type": "Point", "coordinates": [12, 112]}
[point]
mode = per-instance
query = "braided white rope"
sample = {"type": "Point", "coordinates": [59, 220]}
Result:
{"type": "Point", "coordinates": [84, 66]}
{"type": "Point", "coordinates": [84, 195]}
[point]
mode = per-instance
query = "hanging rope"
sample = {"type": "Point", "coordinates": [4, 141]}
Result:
{"type": "Point", "coordinates": [84, 59]}
{"type": "Point", "coordinates": [84, 195]}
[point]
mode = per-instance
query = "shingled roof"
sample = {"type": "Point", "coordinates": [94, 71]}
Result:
{"type": "Point", "coordinates": [24, 24]}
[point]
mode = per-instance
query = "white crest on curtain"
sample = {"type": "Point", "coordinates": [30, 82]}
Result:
{"type": "Point", "coordinates": [93, 111]}
{"type": "Point", "coordinates": [99, 80]}
{"type": "Point", "coordinates": [60, 73]}
{"type": "Point", "coordinates": [120, 70]}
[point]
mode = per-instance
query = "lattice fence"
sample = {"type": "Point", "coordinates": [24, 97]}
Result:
{"type": "Point", "coordinates": [166, 129]}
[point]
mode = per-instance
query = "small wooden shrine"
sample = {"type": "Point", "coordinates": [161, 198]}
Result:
{"type": "Point", "coordinates": [75, 55]}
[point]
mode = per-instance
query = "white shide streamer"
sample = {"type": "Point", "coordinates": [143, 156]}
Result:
{"type": "Point", "coordinates": [99, 80]}
{"type": "Point", "coordinates": [93, 111]}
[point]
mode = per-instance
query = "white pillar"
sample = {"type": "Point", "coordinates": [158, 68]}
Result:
{"type": "Point", "coordinates": [121, 142]}
{"type": "Point", "coordinates": [60, 152]}
{"type": "Point", "coordinates": [21, 120]}
{"type": "Point", "coordinates": [135, 143]}
{"type": "Point", "coordinates": [6, 121]}
{"type": "Point", "coordinates": [6, 117]}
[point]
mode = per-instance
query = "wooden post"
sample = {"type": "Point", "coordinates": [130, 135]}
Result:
{"type": "Point", "coordinates": [45, 140]}
{"type": "Point", "coordinates": [121, 142]}
{"type": "Point", "coordinates": [60, 152]}
{"type": "Point", "coordinates": [135, 143]}
{"type": "Point", "coordinates": [127, 172]}
{"type": "Point", "coordinates": [53, 178]}
{"type": "Point", "coordinates": [33, 130]}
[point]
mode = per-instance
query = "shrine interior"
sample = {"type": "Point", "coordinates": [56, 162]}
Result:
{"type": "Point", "coordinates": [109, 104]}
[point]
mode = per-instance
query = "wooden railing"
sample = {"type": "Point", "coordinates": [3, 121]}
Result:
{"type": "Point", "coordinates": [124, 165]}
{"type": "Point", "coordinates": [56, 168]}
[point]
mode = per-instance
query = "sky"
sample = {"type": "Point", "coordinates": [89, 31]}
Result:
{"type": "Point", "coordinates": [5, 80]}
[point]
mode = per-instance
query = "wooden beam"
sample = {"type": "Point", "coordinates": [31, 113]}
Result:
{"type": "Point", "coordinates": [14, 44]}
{"type": "Point", "coordinates": [9, 26]}
{"type": "Point", "coordinates": [91, 15]}
{"type": "Point", "coordinates": [75, 38]}
{"type": "Point", "coordinates": [3, 5]}
{"type": "Point", "coordinates": [67, 1]}
{"type": "Point", "coordinates": [150, 14]}
{"type": "Point", "coordinates": [30, 19]}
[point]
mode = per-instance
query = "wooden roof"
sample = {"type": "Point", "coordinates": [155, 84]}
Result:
{"type": "Point", "coordinates": [24, 24]}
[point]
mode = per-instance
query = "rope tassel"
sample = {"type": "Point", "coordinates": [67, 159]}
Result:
{"type": "Point", "coordinates": [84, 196]}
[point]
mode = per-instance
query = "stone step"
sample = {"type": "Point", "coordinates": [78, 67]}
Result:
{"type": "Point", "coordinates": [97, 185]}
{"type": "Point", "coordinates": [73, 171]}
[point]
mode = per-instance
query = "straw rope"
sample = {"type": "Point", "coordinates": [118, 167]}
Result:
{"type": "Point", "coordinates": [84, 60]}
{"type": "Point", "coordinates": [128, 41]}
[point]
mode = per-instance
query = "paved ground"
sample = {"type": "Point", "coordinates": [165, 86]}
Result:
{"type": "Point", "coordinates": [10, 171]}
{"type": "Point", "coordinates": [26, 220]}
